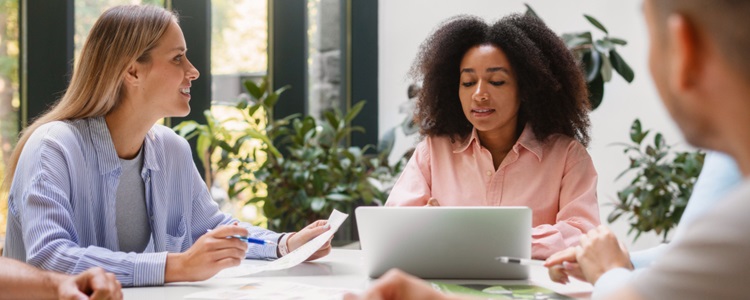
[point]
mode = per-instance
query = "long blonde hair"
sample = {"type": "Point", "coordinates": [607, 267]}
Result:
{"type": "Point", "coordinates": [121, 36]}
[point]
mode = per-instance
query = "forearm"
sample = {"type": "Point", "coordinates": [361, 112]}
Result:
{"type": "Point", "coordinates": [21, 281]}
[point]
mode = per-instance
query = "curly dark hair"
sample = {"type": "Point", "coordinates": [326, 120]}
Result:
{"type": "Point", "coordinates": [551, 87]}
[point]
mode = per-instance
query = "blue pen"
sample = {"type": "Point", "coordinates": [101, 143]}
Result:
{"type": "Point", "coordinates": [252, 240]}
{"type": "Point", "coordinates": [249, 239]}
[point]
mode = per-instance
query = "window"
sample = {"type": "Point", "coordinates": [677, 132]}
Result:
{"type": "Point", "coordinates": [239, 45]}
{"type": "Point", "coordinates": [324, 56]}
{"type": "Point", "coordinates": [9, 100]}
{"type": "Point", "coordinates": [87, 11]}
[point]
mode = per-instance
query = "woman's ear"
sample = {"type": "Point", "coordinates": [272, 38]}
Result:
{"type": "Point", "coordinates": [132, 74]}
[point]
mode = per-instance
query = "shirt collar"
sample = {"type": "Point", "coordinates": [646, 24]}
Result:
{"type": "Point", "coordinates": [527, 140]}
{"type": "Point", "coordinates": [105, 149]}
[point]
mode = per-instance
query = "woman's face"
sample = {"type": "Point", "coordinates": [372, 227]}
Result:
{"type": "Point", "coordinates": [167, 75]}
{"type": "Point", "coordinates": [488, 89]}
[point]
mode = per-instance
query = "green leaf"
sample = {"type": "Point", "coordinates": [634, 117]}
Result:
{"type": "Point", "coordinates": [274, 97]}
{"type": "Point", "coordinates": [617, 41]}
{"type": "Point", "coordinates": [659, 141]}
{"type": "Point", "coordinates": [256, 134]}
{"type": "Point", "coordinates": [333, 120]}
{"type": "Point", "coordinates": [264, 85]}
{"type": "Point", "coordinates": [530, 12]}
{"type": "Point", "coordinates": [225, 146]}
{"type": "Point", "coordinates": [596, 23]}
{"type": "Point", "coordinates": [621, 66]}
{"type": "Point", "coordinates": [576, 42]}
{"type": "Point", "coordinates": [204, 141]}
{"type": "Point", "coordinates": [251, 111]}
{"type": "Point", "coordinates": [253, 89]}
{"type": "Point", "coordinates": [256, 200]}
{"type": "Point", "coordinates": [604, 45]}
{"type": "Point", "coordinates": [596, 91]}
{"type": "Point", "coordinates": [592, 63]}
{"type": "Point", "coordinates": [636, 133]}
{"type": "Point", "coordinates": [613, 216]}
{"type": "Point", "coordinates": [354, 111]}
{"type": "Point", "coordinates": [577, 39]}
{"type": "Point", "coordinates": [186, 127]}
{"type": "Point", "coordinates": [606, 69]}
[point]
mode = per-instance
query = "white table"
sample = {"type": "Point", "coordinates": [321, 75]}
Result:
{"type": "Point", "coordinates": [340, 269]}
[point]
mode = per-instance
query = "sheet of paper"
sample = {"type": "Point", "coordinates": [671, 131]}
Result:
{"type": "Point", "coordinates": [272, 290]}
{"type": "Point", "coordinates": [293, 258]}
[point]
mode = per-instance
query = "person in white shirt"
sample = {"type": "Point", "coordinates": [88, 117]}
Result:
{"type": "Point", "coordinates": [718, 176]}
{"type": "Point", "coordinates": [698, 58]}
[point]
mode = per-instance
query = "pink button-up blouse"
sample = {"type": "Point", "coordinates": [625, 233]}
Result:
{"type": "Point", "coordinates": [555, 178]}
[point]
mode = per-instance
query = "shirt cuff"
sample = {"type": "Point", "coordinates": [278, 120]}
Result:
{"type": "Point", "coordinates": [264, 251]}
{"type": "Point", "coordinates": [149, 268]}
{"type": "Point", "coordinates": [283, 244]}
{"type": "Point", "coordinates": [610, 282]}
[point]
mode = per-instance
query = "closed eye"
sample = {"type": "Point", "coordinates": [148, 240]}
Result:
{"type": "Point", "coordinates": [497, 83]}
{"type": "Point", "coordinates": [468, 84]}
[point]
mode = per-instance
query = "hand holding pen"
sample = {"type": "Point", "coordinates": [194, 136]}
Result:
{"type": "Point", "coordinates": [249, 239]}
{"type": "Point", "coordinates": [210, 253]}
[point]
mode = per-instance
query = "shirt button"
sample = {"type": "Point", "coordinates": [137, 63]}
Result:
{"type": "Point", "coordinates": [489, 173]}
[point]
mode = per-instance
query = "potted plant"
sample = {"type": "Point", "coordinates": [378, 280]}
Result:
{"type": "Point", "coordinates": [298, 169]}
{"type": "Point", "coordinates": [657, 195]}
{"type": "Point", "coordinates": [598, 57]}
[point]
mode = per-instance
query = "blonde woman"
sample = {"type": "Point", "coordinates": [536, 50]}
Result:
{"type": "Point", "coordinates": [96, 183]}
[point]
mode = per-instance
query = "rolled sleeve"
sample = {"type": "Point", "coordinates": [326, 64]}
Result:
{"type": "Point", "coordinates": [263, 251]}
{"type": "Point", "coordinates": [148, 269]}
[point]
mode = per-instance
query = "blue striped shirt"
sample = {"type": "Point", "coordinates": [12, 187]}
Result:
{"type": "Point", "coordinates": [62, 203]}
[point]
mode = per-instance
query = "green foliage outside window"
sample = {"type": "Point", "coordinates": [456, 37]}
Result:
{"type": "Point", "coordinates": [301, 163]}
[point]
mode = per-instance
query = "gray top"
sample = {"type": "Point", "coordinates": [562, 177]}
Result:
{"type": "Point", "coordinates": [133, 228]}
{"type": "Point", "coordinates": [710, 261]}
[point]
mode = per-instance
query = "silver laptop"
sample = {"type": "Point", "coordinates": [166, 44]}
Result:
{"type": "Point", "coordinates": [445, 242]}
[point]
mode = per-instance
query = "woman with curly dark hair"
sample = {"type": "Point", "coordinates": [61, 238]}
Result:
{"type": "Point", "coordinates": [504, 110]}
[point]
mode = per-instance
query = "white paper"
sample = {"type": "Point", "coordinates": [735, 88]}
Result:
{"type": "Point", "coordinates": [293, 258]}
{"type": "Point", "coordinates": [272, 290]}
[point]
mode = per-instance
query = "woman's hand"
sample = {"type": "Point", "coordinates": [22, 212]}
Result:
{"type": "Point", "coordinates": [297, 239]}
{"type": "Point", "coordinates": [210, 254]}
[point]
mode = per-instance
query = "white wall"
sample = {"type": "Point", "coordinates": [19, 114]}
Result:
{"type": "Point", "coordinates": [404, 24]}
